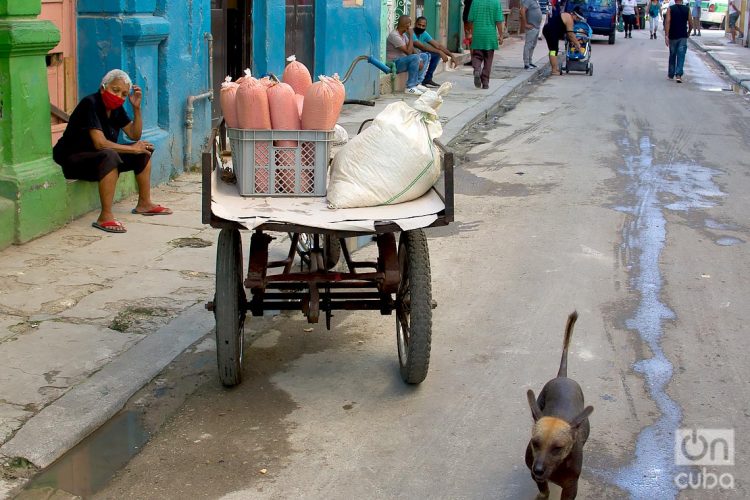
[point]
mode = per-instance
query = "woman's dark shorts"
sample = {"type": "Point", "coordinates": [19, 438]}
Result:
{"type": "Point", "coordinates": [95, 165]}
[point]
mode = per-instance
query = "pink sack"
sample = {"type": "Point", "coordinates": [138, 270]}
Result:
{"type": "Point", "coordinates": [297, 76]}
{"type": "Point", "coordinates": [284, 112]}
{"type": "Point", "coordinates": [300, 103]}
{"type": "Point", "coordinates": [253, 111]}
{"type": "Point", "coordinates": [323, 103]}
{"type": "Point", "coordinates": [228, 102]}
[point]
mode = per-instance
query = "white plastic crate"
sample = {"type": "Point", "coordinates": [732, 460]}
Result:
{"type": "Point", "coordinates": [280, 162]}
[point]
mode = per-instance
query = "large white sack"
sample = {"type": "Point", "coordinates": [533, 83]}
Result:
{"type": "Point", "coordinates": [393, 160]}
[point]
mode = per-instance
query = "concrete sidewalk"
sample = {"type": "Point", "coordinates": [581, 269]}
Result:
{"type": "Point", "coordinates": [88, 318]}
{"type": "Point", "coordinates": [734, 59]}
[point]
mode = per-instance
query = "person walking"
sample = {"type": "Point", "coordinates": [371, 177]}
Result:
{"type": "Point", "coordinates": [628, 16]}
{"type": "Point", "coordinates": [486, 28]}
{"type": "Point", "coordinates": [733, 9]}
{"type": "Point", "coordinates": [654, 9]}
{"type": "Point", "coordinates": [695, 13]}
{"type": "Point", "coordinates": [531, 19]}
{"type": "Point", "coordinates": [676, 31]}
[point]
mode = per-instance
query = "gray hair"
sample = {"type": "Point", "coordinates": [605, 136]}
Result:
{"type": "Point", "coordinates": [116, 74]}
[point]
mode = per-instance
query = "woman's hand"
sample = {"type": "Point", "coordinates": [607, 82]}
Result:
{"type": "Point", "coordinates": [143, 147]}
{"type": "Point", "coordinates": [136, 96]}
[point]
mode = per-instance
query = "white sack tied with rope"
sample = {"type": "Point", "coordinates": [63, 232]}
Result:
{"type": "Point", "coordinates": [393, 160]}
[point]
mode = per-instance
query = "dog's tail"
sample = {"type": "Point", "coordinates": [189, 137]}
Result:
{"type": "Point", "coordinates": [563, 372]}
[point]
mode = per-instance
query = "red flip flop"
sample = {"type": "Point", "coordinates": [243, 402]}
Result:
{"type": "Point", "coordinates": [157, 210]}
{"type": "Point", "coordinates": [110, 226]}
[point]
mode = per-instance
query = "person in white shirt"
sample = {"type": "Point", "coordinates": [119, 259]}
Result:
{"type": "Point", "coordinates": [733, 9]}
{"type": "Point", "coordinates": [628, 16]}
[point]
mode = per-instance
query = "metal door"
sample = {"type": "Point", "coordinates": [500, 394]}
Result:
{"type": "Point", "coordinates": [300, 31]}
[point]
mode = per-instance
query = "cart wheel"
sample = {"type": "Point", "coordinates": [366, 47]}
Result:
{"type": "Point", "coordinates": [331, 249]}
{"type": "Point", "coordinates": [230, 306]}
{"type": "Point", "coordinates": [591, 69]}
{"type": "Point", "coordinates": [414, 307]}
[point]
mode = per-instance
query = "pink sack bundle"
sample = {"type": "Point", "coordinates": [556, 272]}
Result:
{"type": "Point", "coordinates": [297, 75]}
{"type": "Point", "coordinates": [323, 103]}
{"type": "Point", "coordinates": [228, 102]}
{"type": "Point", "coordinates": [284, 112]}
{"type": "Point", "coordinates": [253, 111]}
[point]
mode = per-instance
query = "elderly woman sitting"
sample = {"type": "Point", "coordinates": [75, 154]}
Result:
{"type": "Point", "coordinates": [89, 151]}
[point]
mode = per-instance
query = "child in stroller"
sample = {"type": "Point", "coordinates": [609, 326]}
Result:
{"type": "Point", "coordinates": [579, 59]}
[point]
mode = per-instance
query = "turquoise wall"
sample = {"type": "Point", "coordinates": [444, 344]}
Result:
{"type": "Point", "coordinates": [161, 44]}
{"type": "Point", "coordinates": [341, 34]}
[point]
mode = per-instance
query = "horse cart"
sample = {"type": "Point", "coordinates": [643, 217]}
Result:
{"type": "Point", "coordinates": [319, 274]}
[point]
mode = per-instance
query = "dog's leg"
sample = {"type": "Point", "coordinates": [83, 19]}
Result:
{"type": "Point", "coordinates": [569, 491]}
{"type": "Point", "coordinates": [543, 490]}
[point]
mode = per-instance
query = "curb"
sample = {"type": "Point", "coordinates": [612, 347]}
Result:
{"type": "Point", "coordinates": [67, 421]}
{"type": "Point", "coordinates": [485, 108]}
{"type": "Point", "coordinates": [727, 68]}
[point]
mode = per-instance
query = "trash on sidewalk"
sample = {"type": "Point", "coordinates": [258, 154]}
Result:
{"type": "Point", "coordinates": [392, 161]}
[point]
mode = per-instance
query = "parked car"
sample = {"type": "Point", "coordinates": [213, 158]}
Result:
{"type": "Point", "coordinates": [601, 15]}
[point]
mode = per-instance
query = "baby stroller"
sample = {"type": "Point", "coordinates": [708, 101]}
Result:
{"type": "Point", "coordinates": [579, 60]}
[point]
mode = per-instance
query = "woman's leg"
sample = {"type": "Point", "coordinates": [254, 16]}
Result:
{"type": "Point", "coordinates": [107, 187]}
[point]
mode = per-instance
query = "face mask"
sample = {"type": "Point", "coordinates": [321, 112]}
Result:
{"type": "Point", "coordinates": [112, 101]}
{"type": "Point", "coordinates": [419, 31]}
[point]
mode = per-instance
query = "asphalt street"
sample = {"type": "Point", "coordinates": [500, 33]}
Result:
{"type": "Point", "coordinates": [621, 195]}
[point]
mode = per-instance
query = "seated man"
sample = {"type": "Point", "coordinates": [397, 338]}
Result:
{"type": "Point", "coordinates": [88, 149]}
{"type": "Point", "coordinates": [425, 43]}
{"type": "Point", "coordinates": [400, 50]}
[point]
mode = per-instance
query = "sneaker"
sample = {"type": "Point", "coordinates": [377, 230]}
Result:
{"type": "Point", "coordinates": [532, 65]}
{"type": "Point", "coordinates": [431, 83]}
{"type": "Point", "coordinates": [740, 35]}
{"type": "Point", "coordinates": [526, 66]}
{"type": "Point", "coordinates": [485, 87]}
{"type": "Point", "coordinates": [422, 88]}
{"type": "Point", "coordinates": [477, 81]}
{"type": "Point", "coordinates": [413, 91]}
{"type": "Point", "coordinates": [678, 78]}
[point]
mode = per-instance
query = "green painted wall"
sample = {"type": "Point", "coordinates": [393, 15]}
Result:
{"type": "Point", "coordinates": [29, 178]}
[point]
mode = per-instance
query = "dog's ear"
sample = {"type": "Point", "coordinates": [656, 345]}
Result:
{"type": "Point", "coordinates": [576, 422]}
{"type": "Point", "coordinates": [536, 412]}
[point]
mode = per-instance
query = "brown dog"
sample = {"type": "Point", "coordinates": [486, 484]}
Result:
{"type": "Point", "coordinates": [561, 427]}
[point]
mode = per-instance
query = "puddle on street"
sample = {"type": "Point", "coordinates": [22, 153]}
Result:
{"type": "Point", "coordinates": [89, 466]}
{"type": "Point", "coordinates": [688, 187]}
{"type": "Point", "coordinates": [728, 241]}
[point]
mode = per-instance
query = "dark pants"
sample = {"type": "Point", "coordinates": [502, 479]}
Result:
{"type": "Point", "coordinates": [434, 61]}
{"type": "Point", "coordinates": [629, 20]}
{"type": "Point", "coordinates": [481, 60]}
{"type": "Point", "coordinates": [95, 165]}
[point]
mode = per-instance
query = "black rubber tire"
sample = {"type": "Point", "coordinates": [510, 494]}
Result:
{"type": "Point", "coordinates": [591, 69]}
{"type": "Point", "coordinates": [414, 307]}
{"type": "Point", "coordinates": [331, 249]}
{"type": "Point", "coordinates": [229, 307]}
{"type": "Point", "coordinates": [611, 39]}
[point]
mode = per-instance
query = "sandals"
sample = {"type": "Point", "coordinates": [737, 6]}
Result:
{"type": "Point", "coordinates": [110, 226]}
{"type": "Point", "coordinates": [157, 210]}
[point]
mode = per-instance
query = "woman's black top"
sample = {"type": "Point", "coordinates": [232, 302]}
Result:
{"type": "Point", "coordinates": [90, 114]}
